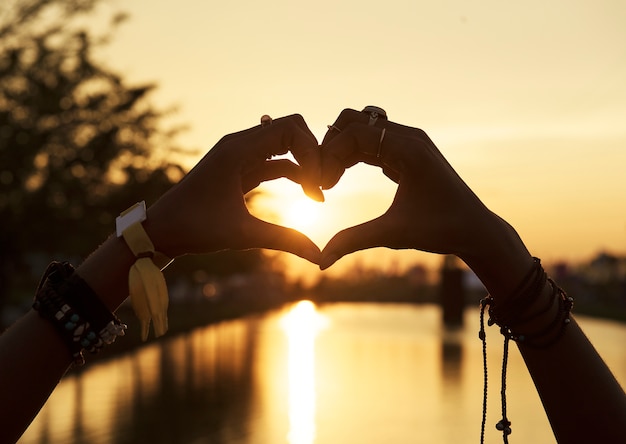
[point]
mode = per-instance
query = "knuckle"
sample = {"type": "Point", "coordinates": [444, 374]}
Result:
{"type": "Point", "coordinates": [297, 118]}
{"type": "Point", "coordinates": [292, 121]}
{"type": "Point", "coordinates": [421, 134]}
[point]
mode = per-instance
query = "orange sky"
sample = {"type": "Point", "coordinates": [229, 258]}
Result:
{"type": "Point", "coordinates": [526, 99]}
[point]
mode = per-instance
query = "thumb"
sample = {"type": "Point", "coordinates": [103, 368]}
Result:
{"type": "Point", "coordinates": [263, 234]}
{"type": "Point", "coordinates": [360, 237]}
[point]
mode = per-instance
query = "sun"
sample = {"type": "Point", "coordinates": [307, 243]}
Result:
{"type": "Point", "coordinates": [301, 213]}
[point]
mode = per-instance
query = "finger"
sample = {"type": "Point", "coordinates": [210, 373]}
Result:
{"type": "Point", "coordinates": [392, 147]}
{"type": "Point", "coordinates": [263, 234]}
{"type": "Point", "coordinates": [345, 118]}
{"type": "Point", "coordinates": [337, 156]}
{"type": "Point", "coordinates": [270, 170]}
{"type": "Point", "coordinates": [309, 158]}
{"type": "Point", "coordinates": [262, 142]}
{"type": "Point", "coordinates": [360, 237]}
{"type": "Point", "coordinates": [391, 174]}
{"type": "Point", "coordinates": [292, 134]}
{"type": "Point", "coordinates": [334, 162]}
{"type": "Point", "coordinates": [356, 142]}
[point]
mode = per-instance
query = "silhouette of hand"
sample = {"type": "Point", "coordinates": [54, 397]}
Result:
{"type": "Point", "coordinates": [206, 211]}
{"type": "Point", "coordinates": [433, 209]}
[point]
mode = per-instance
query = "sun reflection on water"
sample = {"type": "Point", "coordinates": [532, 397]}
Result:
{"type": "Point", "coordinates": [301, 325]}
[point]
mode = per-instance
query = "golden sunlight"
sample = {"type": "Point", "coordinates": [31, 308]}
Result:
{"type": "Point", "coordinates": [301, 213]}
{"type": "Point", "coordinates": [301, 325]}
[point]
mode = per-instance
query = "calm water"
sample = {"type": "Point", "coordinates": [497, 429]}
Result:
{"type": "Point", "coordinates": [341, 373]}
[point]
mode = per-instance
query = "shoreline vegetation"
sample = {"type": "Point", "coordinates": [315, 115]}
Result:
{"type": "Point", "coordinates": [197, 304]}
{"type": "Point", "coordinates": [228, 286]}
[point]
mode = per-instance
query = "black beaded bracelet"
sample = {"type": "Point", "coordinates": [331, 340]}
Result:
{"type": "Point", "coordinates": [76, 311]}
{"type": "Point", "coordinates": [513, 314]}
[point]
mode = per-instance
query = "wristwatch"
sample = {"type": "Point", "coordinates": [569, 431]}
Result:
{"type": "Point", "coordinates": [137, 214]}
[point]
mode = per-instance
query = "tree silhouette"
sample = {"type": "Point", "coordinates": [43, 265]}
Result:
{"type": "Point", "coordinates": [77, 144]}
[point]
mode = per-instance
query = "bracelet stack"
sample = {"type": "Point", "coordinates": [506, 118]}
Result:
{"type": "Point", "coordinates": [76, 311]}
{"type": "Point", "coordinates": [513, 317]}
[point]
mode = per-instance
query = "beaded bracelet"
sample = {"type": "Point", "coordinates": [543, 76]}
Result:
{"type": "Point", "coordinates": [510, 316]}
{"type": "Point", "coordinates": [77, 313]}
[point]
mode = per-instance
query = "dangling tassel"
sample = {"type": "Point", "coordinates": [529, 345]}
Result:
{"type": "Point", "coordinates": [147, 286]}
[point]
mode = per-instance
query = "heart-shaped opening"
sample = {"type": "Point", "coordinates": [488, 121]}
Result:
{"type": "Point", "coordinates": [362, 194]}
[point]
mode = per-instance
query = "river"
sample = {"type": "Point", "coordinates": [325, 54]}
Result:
{"type": "Point", "coordinates": [340, 373]}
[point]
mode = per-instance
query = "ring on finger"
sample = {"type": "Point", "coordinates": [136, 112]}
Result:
{"type": "Point", "coordinates": [333, 127]}
{"type": "Point", "coordinates": [374, 113]}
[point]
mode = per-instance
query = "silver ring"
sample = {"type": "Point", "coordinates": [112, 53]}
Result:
{"type": "Point", "coordinates": [265, 120]}
{"type": "Point", "coordinates": [333, 127]}
{"type": "Point", "coordinates": [380, 144]}
{"type": "Point", "coordinates": [375, 112]}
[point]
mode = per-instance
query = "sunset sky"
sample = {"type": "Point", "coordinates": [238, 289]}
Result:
{"type": "Point", "coordinates": [527, 100]}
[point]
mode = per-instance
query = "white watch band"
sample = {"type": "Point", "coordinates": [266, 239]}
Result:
{"type": "Point", "coordinates": [136, 213]}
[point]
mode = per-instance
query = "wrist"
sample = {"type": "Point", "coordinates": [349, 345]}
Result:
{"type": "Point", "coordinates": [146, 283]}
{"type": "Point", "coordinates": [531, 315]}
{"type": "Point", "coordinates": [156, 226]}
{"type": "Point", "coordinates": [545, 306]}
{"type": "Point", "coordinates": [499, 258]}
{"type": "Point", "coordinates": [135, 220]}
{"type": "Point", "coordinates": [106, 269]}
{"type": "Point", "coordinates": [159, 227]}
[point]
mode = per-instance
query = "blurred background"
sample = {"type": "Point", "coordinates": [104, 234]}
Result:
{"type": "Point", "coordinates": [104, 103]}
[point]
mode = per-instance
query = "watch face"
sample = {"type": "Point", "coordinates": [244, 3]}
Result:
{"type": "Point", "coordinates": [136, 213]}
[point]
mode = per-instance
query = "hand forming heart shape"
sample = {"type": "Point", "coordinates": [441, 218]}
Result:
{"type": "Point", "coordinates": [433, 209]}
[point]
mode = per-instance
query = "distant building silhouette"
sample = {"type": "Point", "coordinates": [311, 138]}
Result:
{"type": "Point", "coordinates": [452, 292]}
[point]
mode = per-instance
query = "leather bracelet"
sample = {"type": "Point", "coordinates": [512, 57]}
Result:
{"type": "Point", "coordinates": [76, 311]}
{"type": "Point", "coordinates": [514, 312]}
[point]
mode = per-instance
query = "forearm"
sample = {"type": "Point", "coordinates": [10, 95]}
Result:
{"type": "Point", "coordinates": [106, 271]}
{"type": "Point", "coordinates": [497, 255]}
{"type": "Point", "coordinates": [581, 397]}
{"type": "Point", "coordinates": [34, 357]}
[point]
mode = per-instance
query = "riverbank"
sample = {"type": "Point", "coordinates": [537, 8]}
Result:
{"type": "Point", "coordinates": [330, 369]}
{"type": "Point", "coordinates": [198, 306]}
